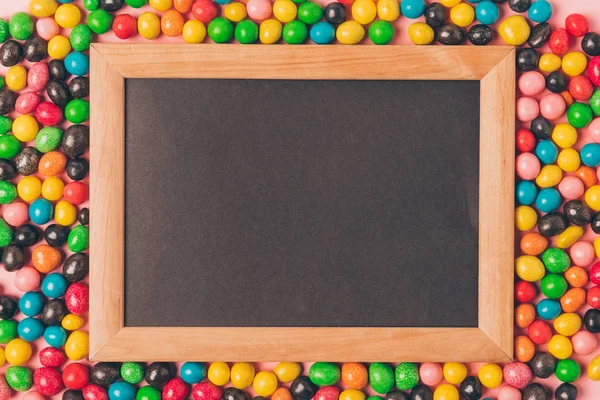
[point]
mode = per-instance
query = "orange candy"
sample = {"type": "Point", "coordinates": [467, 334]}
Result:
{"type": "Point", "coordinates": [576, 276]}
{"type": "Point", "coordinates": [568, 98]}
{"type": "Point", "coordinates": [354, 375]}
{"type": "Point", "coordinates": [281, 394]}
{"type": "Point", "coordinates": [171, 23]}
{"type": "Point", "coordinates": [573, 299]}
{"type": "Point", "coordinates": [533, 244]}
{"type": "Point", "coordinates": [524, 348]}
{"type": "Point", "coordinates": [587, 176]}
{"type": "Point", "coordinates": [45, 258]}
{"type": "Point", "coordinates": [183, 6]}
{"type": "Point", "coordinates": [52, 163]}
{"type": "Point", "coordinates": [524, 315]}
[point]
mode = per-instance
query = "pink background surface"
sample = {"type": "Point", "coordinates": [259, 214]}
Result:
{"type": "Point", "coordinates": [588, 390]}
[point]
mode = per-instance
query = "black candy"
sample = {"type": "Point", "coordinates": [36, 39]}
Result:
{"type": "Point", "coordinates": [541, 128]}
{"type": "Point", "coordinates": [76, 267]}
{"type": "Point", "coordinates": [480, 35]}
{"type": "Point", "coordinates": [72, 395]}
{"type": "Point", "coordinates": [77, 168]}
{"type": "Point", "coordinates": [83, 216]}
{"type": "Point", "coordinates": [8, 99]}
{"type": "Point", "coordinates": [158, 374]}
{"type": "Point", "coordinates": [57, 70]}
{"type": "Point", "coordinates": [335, 13]}
{"type": "Point", "coordinates": [76, 140]}
{"type": "Point", "coordinates": [111, 5]}
{"type": "Point", "coordinates": [8, 307]}
{"type": "Point", "coordinates": [596, 223]}
{"type": "Point", "coordinates": [591, 320]}
{"type": "Point", "coordinates": [27, 161]}
{"type": "Point", "coordinates": [395, 395]}
{"type": "Point", "coordinates": [56, 235]}
{"type": "Point", "coordinates": [552, 224]}
{"type": "Point", "coordinates": [105, 373]}
{"type": "Point", "coordinates": [471, 388]}
{"type": "Point", "coordinates": [535, 391]}
{"type": "Point", "coordinates": [499, 1]}
{"type": "Point", "coordinates": [527, 59]}
{"type": "Point", "coordinates": [36, 49]}
{"type": "Point", "coordinates": [539, 35]}
{"type": "Point", "coordinates": [302, 388]}
{"type": "Point", "coordinates": [450, 35]}
{"type": "Point", "coordinates": [590, 44]}
{"type": "Point", "coordinates": [10, 53]}
{"type": "Point", "coordinates": [565, 391]}
{"type": "Point", "coordinates": [542, 365]}
{"type": "Point", "coordinates": [7, 169]}
{"type": "Point", "coordinates": [13, 257]}
{"type": "Point", "coordinates": [232, 393]}
{"type": "Point", "coordinates": [519, 6]}
{"type": "Point", "coordinates": [435, 15]}
{"type": "Point", "coordinates": [58, 93]}
{"type": "Point", "coordinates": [53, 312]}
{"type": "Point", "coordinates": [80, 85]}
{"type": "Point", "coordinates": [26, 235]}
{"type": "Point", "coordinates": [421, 392]}
{"type": "Point", "coordinates": [556, 82]}
{"type": "Point", "coordinates": [577, 212]}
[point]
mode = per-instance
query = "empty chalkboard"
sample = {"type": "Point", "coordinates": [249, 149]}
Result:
{"type": "Point", "coordinates": [301, 203]}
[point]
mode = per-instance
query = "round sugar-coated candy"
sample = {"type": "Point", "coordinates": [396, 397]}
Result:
{"type": "Point", "coordinates": [13, 257]}
{"type": "Point", "coordinates": [419, 392]}
{"type": "Point", "coordinates": [490, 376]}
{"type": "Point", "coordinates": [8, 100]}
{"type": "Point", "coordinates": [59, 47]}
{"type": "Point", "coordinates": [413, 8]}
{"type": "Point", "coordinates": [76, 376]}
{"type": "Point", "coordinates": [381, 32]}
{"type": "Point", "coordinates": [556, 260]}
{"type": "Point", "coordinates": [54, 311]}
{"type": "Point", "coordinates": [324, 373]}
{"type": "Point", "coordinates": [52, 189]}
{"type": "Point", "coordinates": [350, 32]}
{"type": "Point", "coordinates": [148, 25]}
{"type": "Point", "coordinates": [572, 300]}
{"type": "Point", "coordinates": [556, 82]}
{"type": "Point", "coordinates": [322, 33]}
{"type": "Point", "coordinates": [10, 53]}
{"type": "Point", "coordinates": [5, 124]}
{"type": "Point", "coordinates": [47, 381]}
{"type": "Point", "coordinates": [48, 114]}
{"type": "Point", "coordinates": [335, 13]}
{"type": "Point", "coordinates": [31, 303]}
{"type": "Point", "coordinates": [150, 393]}
{"type": "Point", "coordinates": [582, 253]}
{"type": "Point", "coordinates": [19, 378]}
{"type": "Point", "coordinates": [26, 235]}
{"type": "Point", "coordinates": [78, 110]}
{"type": "Point", "coordinates": [112, 5]}
{"type": "Point", "coordinates": [548, 309]}
{"type": "Point", "coordinates": [517, 374]}
{"type": "Point", "coordinates": [42, 8]}
{"type": "Point", "coordinates": [524, 315]}
{"type": "Point", "coordinates": [462, 15]}
{"type": "Point", "coordinates": [567, 324]}
{"type": "Point", "coordinates": [294, 32]}
{"type": "Point", "coordinates": [220, 30]}
{"type": "Point", "coordinates": [77, 63]}
{"type": "Point", "coordinates": [16, 78]}
{"type": "Point", "coordinates": [40, 211]}
{"type": "Point", "coordinates": [6, 234]}
{"type": "Point", "coordinates": [84, 216]}
{"type": "Point", "coordinates": [543, 365]}
{"type": "Point", "coordinates": [171, 23]}
{"type": "Point", "coordinates": [8, 307]}
{"type": "Point", "coordinates": [55, 336]}
{"type": "Point", "coordinates": [540, 11]}
{"type": "Point", "coordinates": [270, 31]}
{"type": "Point", "coordinates": [525, 291]}
{"type": "Point", "coordinates": [420, 33]}
{"type": "Point", "coordinates": [287, 371]}
{"type": "Point", "coordinates": [552, 224]}
{"type": "Point", "coordinates": [581, 88]}
{"type": "Point", "coordinates": [176, 389]}
{"type": "Point", "coordinates": [567, 370]}
{"type": "Point", "coordinates": [531, 83]}
{"type": "Point", "coordinates": [574, 63]}
{"type": "Point", "coordinates": [590, 44]}
{"type": "Point", "coordinates": [51, 357]}
{"type": "Point", "coordinates": [576, 276]}
{"type": "Point", "coordinates": [303, 389]}
{"type": "Point", "coordinates": [191, 372]}
{"type": "Point", "coordinates": [553, 286]}
{"type": "Point", "coordinates": [246, 32]}
{"type": "Point", "coordinates": [310, 13]}
{"type": "Point", "coordinates": [265, 383]}
{"type": "Point", "coordinates": [591, 320]}
{"type": "Point", "coordinates": [76, 267]}
{"type": "Point", "coordinates": [242, 375]}
{"type": "Point", "coordinates": [592, 198]}
{"type": "Point", "coordinates": [235, 12]}
{"type": "Point", "coordinates": [232, 393]}
{"type": "Point", "coordinates": [354, 375]}
{"type": "Point", "coordinates": [78, 239]}
{"type": "Point", "coordinates": [159, 373]}
{"type": "Point", "coordinates": [526, 192]}
{"type": "Point", "coordinates": [30, 329]}
{"type": "Point", "coordinates": [446, 391]}
{"type": "Point", "coordinates": [93, 392]}
{"type": "Point", "coordinates": [435, 15]}
{"type": "Point", "coordinates": [577, 212]}
{"type": "Point", "coordinates": [20, 26]}
{"type": "Point", "coordinates": [16, 214]}
{"type": "Point", "coordinates": [35, 49]}
{"type": "Point", "coordinates": [480, 35]}
{"type": "Point", "coordinates": [57, 70]}
{"type": "Point", "coordinates": [124, 26]}
{"type": "Point", "coordinates": [47, 28]}
{"type": "Point", "coordinates": [4, 31]}
{"type": "Point", "coordinates": [546, 151]}
{"type": "Point", "coordinates": [450, 35]}
{"type": "Point", "coordinates": [8, 330]}
{"type": "Point", "coordinates": [527, 59]}
{"type": "Point", "coordinates": [566, 391]}
{"type": "Point", "coordinates": [81, 38]}
{"type": "Point", "coordinates": [381, 377]}
{"type": "Point", "coordinates": [454, 372]}
{"type": "Point", "coordinates": [99, 21]}
{"type": "Point", "coordinates": [206, 10]}
{"type": "Point", "coordinates": [54, 285]}
{"type": "Point", "coordinates": [539, 332]}
{"type": "Point", "coordinates": [487, 12]}
{"type": "Point", "coordinates": [72, 322]}
{"type": "Point", "coordinates": [514, 30]}
{"type": "Point", "coordinates": [105, 373]}
{"type": "Point", "coordinates": [539, 36]}
{"type": "Point", "coordinates": [388, 10]}
{"type": "Point", "coordinates": [29, 188]}
{"type": "Point", "coordinates": [535, 391]}
{"type": "Point", "coordinates": [77, 298]}
{"type": "Point", "coordinates": [559, 41]}
{"type": "Point", "coordinates": [75, 141]}
{"type": "Point", "coordinates": [58, 92]}
{"type": "Point", "coordinates": [17, 351]}
{"type": "Point", "coordinates": [580, 115]}
{"type": "Point", "coordinates": [560, 347]}
{"type": "Point", "coordinates": [577, 25]}
{"type": "Point", "coordinates": [121, 391]}
{"type": "Point", "coordinates": [552, 106]}
{"type": "Point", "coordinates": [470, 388]}
{"type": "Point", "coordinates": [27, 162]}
{"type": "Point", "coordinates": [8, 192]}
{"type": "Point", "coordinates": [284, 10]}
{"type": "Point", "coordinates": [67, 16]}
{"type": "Point", "coordinates": [352, 394]}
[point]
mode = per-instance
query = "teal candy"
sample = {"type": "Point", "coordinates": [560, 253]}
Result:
{"type": "Point", "coordinates": [555, 260]}
{"type": "Point", "coordinates": [192, 372]}
{"type": "Point", "coordinates": [8, 330]}
{"type": "Point", "coordinates": [6, 233]}
{"type": "Point", "coordinates": [78, 239]}
{"type": "Point", "coordinates": [324, 373]}
{"type": "Point", "coordinates": [407, 375]}
{"type": "Point", "coordinates": [19, 378]}
{"type": "Point", "coordinates": [381, 377]}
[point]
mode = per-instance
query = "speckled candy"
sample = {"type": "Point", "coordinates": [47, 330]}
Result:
{"type": "Point", "coordinates": [38, 76]}
{"type": "Point", "coordinates": [206, 391]}
{"type": "Point", "coordinates": [79, 239]}
{"type": "Point", "coordinates": [593, 70]}
{"type": "Point", "coordinates": [5, 393]}
{"type": "Point", "coordinates": [517, 374]}
{"type": "Point", "coordinates": [94, 392]}
{"type": "Point", "coordinates": [407, 375]}
{"type": "Point", "coordinates": [324, 373]}
{"type": "Point", "coordinates": [6, 233]}
{"type": "Point", "coordinates": [48, 114]}
{"type": "Point", "coordinates": [45, 258]}
{"type": "Point", "coordinates": [77, 298]}
{"type": "Point", "coordinates": [175, 389]}
{"type": "Point", "coordinates": [48, 139]}
{"type": "Point", "coordinates": [381, 377]}
{"type": "Point", "coordinates": [327, 393]}
{"type": "Point", "coordinates": [27, 102]}
{"type": "Point", "coordinates": [52, 357]}
{"type": "Point", "coordinates": [132, 372]}
{"type": "Point", "coordinates": [19, 378]}
{"type": "Point", "coordinates": [47, 381]}
{"type": "Point", "coordinates": [556, 260]}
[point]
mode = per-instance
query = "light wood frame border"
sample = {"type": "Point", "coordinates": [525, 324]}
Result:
{"type": "Point", "coordinates": [493, 66]}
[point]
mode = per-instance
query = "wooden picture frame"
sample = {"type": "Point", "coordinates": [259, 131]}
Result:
{"type": "Point", "coordinates": [491, 341]}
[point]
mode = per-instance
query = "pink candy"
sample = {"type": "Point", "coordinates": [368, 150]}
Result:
{"type": "Point", "coordinates": [582, 253]}
{"type": "Point", "coordinates": [27, 103]}
{"type": "Point", "coordinates": [528, 166]}
{"type": "Point", "coordinates": [38, 77]}
{"type": "Point", "coordinates": [431, 373]}
{"type": "Point", "coordinates": [532, 83]}
{"type": "Point", "coordinates": [594, 130]}
{"type": "Point", "coordinates": [552, 106]}
{"type": "Point", "coordinates": [16, 214]}
{"type": "Point", "coordinates": [27, 279]}
{"type": "Point", "coordinates": [34, 396]}
{"type": "Point", "coordinates": [4, 389]}
{"type": "Point", "coordinates": [527, 109]}
{"type": "Point", "coordinates": [517, 374]}
{"type": "Point", "coordinates": [258, 9]}
{"type": "Point", "coordinates": [571, 187]}
{"type": "Point", "coordinates": [47, 28]}
{"type": "Point", "coordinates": [509, 393]}
{"type": "Point", "coordinates": [94, 392]}
{"type": "Point", "coordinates": [584, 342]}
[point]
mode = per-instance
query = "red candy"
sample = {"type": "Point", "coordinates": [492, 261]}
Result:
{"type": "Point", "coordinates": [38, 76]}
{"type": "Point", "coordinates": [47, 381]}
{"type": "Point", "coordinates": [124, 26]}
{"type": "Point", "coordinates": [5, 393]}
{"type": "Point", "coordinates": [595, 273]}
{"type": "Point", "coordinates": [525, 140]}
{"type": "Point", "coordinates": [94, 392]}
{"type": "Point", "coordinates": [76, 376]}
{"type": "Point", "coordinates": [559, 41]}
{"type": "Point", "coordinates": [539, 332]}
{"type": "Point", "coordinates": [517, 374]}
{"type": "Point", "coordinates": [175, 389]}
{"type": "Point", "coordinates": [27, 103]}
{"type": "Point", "coordinates": [581, 88]}
{"type": "Point", "coordinates": [48, 114]}
{"type": "Point", "coordinates": [327, 393]}
{"type": "Point", "coordinates": [594, 70]}
{"type": "Point", "coordinates": [77, 298]}
{"type": "Point", "coordinates": [204, 10]}
{"type": "Point", "coordinates": [593, 297]}
{"type": "Point", "coordinates": [525, 292]}
{"type": "Point", "coordinates": [52, 357]}
{"type": "Point", "coordinates": [76, 192]}
{"type": "Point", "coordinates": [206, 391]}
{"type": "Point", "coordinates": [577, 25]}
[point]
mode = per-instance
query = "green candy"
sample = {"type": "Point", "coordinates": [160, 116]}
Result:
{"type": "Point", "coordinates": [77, 111]}
{"type": "Point", "coordinates": [324, 373]}
{"type": "Point", "coordinates": [2, 83]}
{"type": "Point", "coordinates": [8, 192]}
{"type": "Point", "coordinates": [9, 146]}
{"type": "Point", "coordinates": [579, 115]}
{"type": "Point", "coordinates": [556, 260]}
{"type": "Point", "coordinates": [567, 370]}
{"type": "Point", "coordinates": [381, 377]}
{"type": "Point", "coordinates": [595, 103]}
{"type": "Point", "coordinates": [220, 30]}
{"type": "Point", "coordinates": [298, 1]}
{"type": "Point", "coordinates": [407, 375]}
{"type": "Point", "coordinates": [136, 3]}
{"type": "Point", "coordinates": [99, 21]}
{"type": "Point", "coordinates": [81, 38]}
{"type": "Point", "coordinates": [91, 5]}
{"type": "Point", "coordinates": [553, 286]}
{"type": "Point", "coordinates": [246, 32]}
{"type": "Point", "coordinates": [8, 330]}
{"type": "Point", "coordinates": [374, 398]}
{"type": "Point", "coordinates": [19, 378]}
{"type": "Point", "coordinates": [5, 124]}
{"type": "Point", "coordinates": [310, 13]}
{"type": "Point", "coordinates": [20, 26]}
{"type": "Point", "coordinates": [381, 32]}
{"type": "Point", "coordinates": [6, 233]}
{"type": "Point", "coordinates": [4, 30]}
{"type": "Point", "coordinates": [147, 393]}
{"type": "Point", "coordinates": [295, 32]}
{"type": "Point", "coordinates": [48, 139]}
{"type": "Point", "coordinates": [78, 239]}
{"type": "Point", "coordinates": [132, 372]}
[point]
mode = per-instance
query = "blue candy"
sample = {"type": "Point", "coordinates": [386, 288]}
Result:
{"type": "Point", "coordinates": [30, 329]}
{"type": "Point", "coordinates": [412, 8]}
{"type": "Point", "coordinates": [548, 200]}
{"type": "Point", "coordinates": [223, 1]}
{"type": "Point", "coordinates": [540, 11]}
{"type": "Point", "coordinates": [590, 154]}
{"type": "Point", "coordinates": [487, 12]}
{"type": "Point", "coordinates": [193, 372]}
{"type": "Point", "coordinates": [548, 309]}
{"type": "Point", "coordinates": [55, 336]}
{"type": "Point", "coordinates": [322, 33]}
{"type": "Point", "coordinates": [546, 151]}
{"type": "Point", "coordinates": [40, 211]}
{"type": "Point", "coordinates": [526, 192]}
{"type": "Point", "coordinates": [31, 304]}
{"type": "Point", "coordinates": [54, 285]}
{"type": "Point", "coordinates": [121, 391]}
{"type": "Point", "coordinates": [77, 63]}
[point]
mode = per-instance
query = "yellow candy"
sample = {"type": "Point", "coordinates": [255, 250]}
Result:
{"type": "Point", "coordinates": [364, 11]}
{"type": "Point", "coordinates": [568, 160]}
{"type": "Point", "coordinates": [67, 16]}
{"type": "Point", "coordinates": [285, 10]}
{"type": "Point", "coordinates": [352, 394]}
{"type": "Point", "coordinates": [564, 135]}
{"type": "Point", "coordinates": [446, 392]}
{"type": "Point", "coordinates": [193, 31]}
{"type": "Point", "coordinates": [218, 373]}
{"type": "Point", "coordinates": [514, 30]}
{"type": "Point", "coordinates": [462, 14]}
{"type": "Point", "coordinates": [287, 371]}
{"type": "Point", "coordinates": [592, 197]}
{"type": "Point", "coordinates": [72, 322]}
{"type": "Point", "coordinates": [59, 47]}
{"type": "Point", "coordinates": [25, 128]}
{"type": "Point", "coordinates": [29, 188]}
{"type": "Point", "coordinates": [16, 78]}
{"type": "Point", "coordinates": [270, 31]}
{"type": "Point", "coordinates": [455, 372]}
{"type": "Point", "coordinates": [549, 62]}
{"type": "Point", "coordinates": [529, 268]}
{"type": "Point", "coordinates": [560, 347]}
{"type": "Point", "coordinates": [235, 11]}
{"type": "Point", "coordinates": [490, 375]}
{"type": "Point", "coordinates": [17, 352]}
{"type": "Point", "coordinates": [567, 324]}
{"type": "Point", "coordinates": [77, 346]}
{"type": "Point", "coordinates": [550, 175]}
{"type": "Point", "coordinates": [52, 188]}
{"type": "Point", "coordinates": [569, 237]}
{"type": "Point", "coordinates": [594, 368]}
{"type": "Point", "coordinates": [525, 218]}
{"type": "Point", "coordinates": [265, 383]}
{"type": "Point", "coordinates": [574, 63]}
{"type": "Point", "coordinates": [449, 3]}
{"type": "Point", "coordinates": [2, 357]}
{"type": "Point", "coordinates": [42, 8]}
{"type": "Point", "coordinates": [388, 10]}
{"type": "Point", "coordinates": [350, 32]}
{"type": "Point", "coordinates": [242, 375]}
{"type": "Point", "coordinates": [149, 25]}
{"type": "Point", "coordinates": [420, 33]}
{"type": "Point", "coordinates": [161, 5]}
{"type": "Point", "coordinates": [65, 213]}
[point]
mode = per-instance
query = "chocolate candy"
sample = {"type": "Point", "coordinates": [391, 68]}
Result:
{"type": "Point", "coordinates": [335, 13]}
{"type": "Point", "coordinates": [302, 388]}
{"type": "Point", "coordinates": [519, 6]}
{"type": "Point", "coordinates": [552, 224]}
{"type": "Point", "coordinates": [80, 86]}
{"type": "Point", "coordinates": [13, 257]}
{"type": "Point", "coordinates": [72, 395]}
{"type": "Point", "coordinates": [7, 170]}
{"type": "Point", "coordinates": [53, 312]}
{"type": "Point", "coordinates": [471, 388]}
{"type": "Point", "coordinates": [77, 168]}
{"type": "Point", "coordinates": [577, 212]}
{"type": "Point", "coordinates": [541, 128]}
{"type": "Point", "coordinates": [58, 92]}
{"type": "Point", "coordinates": [543, 365]}
{"type": "Point", "coordinates": [56, 235]}
{"type": "Point", "coordinates": [480, 35]}
{"type": "Point", "coordinates": [539, 35]}
{"type": "Point", "coordinates": [10, 53]}
{"type": "Point", "coordinates": [8, 307]}
{"type": "Point", "coordinates": [111, 5]}
{"type": "Point", "coordinates": [105, 373]}
{"type": "Point", "coordinates": [450, 35]}
{"type": "Point", "coordinates": [76, 140]}
{"type": "Point", "coordinates": [435, 15]}
{"type": "Point", "coordinates": [158, 374]}
{"type": "Point", "coordinates": [8, 99]}
{"type": "Point", "coordinates": [27, 161]}
{"type": "Point", "coordinates": [527, 59]}
{"type": "Point", "coordinates": [421, 392]}
{"type": "Point", "coordinates": [595, 224]}
{"type": "Point", "coordinates": [535, 391]}
{"type": "Point", "coordinates": [232, 393]}
{"type": "Point", "coordinates": [556, 82]}
{"type": "Point", "coordinates": [591, 320]}
{"type": "Point", "coordinates": [590, 44]}
{"type": "Point", "coordinates": [76, 267]}
{"type": "Point", "coordinates": [36, 49]}
{"type": "Point", "coordinates": [396, 395]}
{"type": "Point", "coordinates": [565, 391]}
{"type": "Point", "coordinates": [84, 216]}
{"type": "Point", "coordinates": [57, 70]}
{"type": "Point", "coordinates": [26, 235]}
